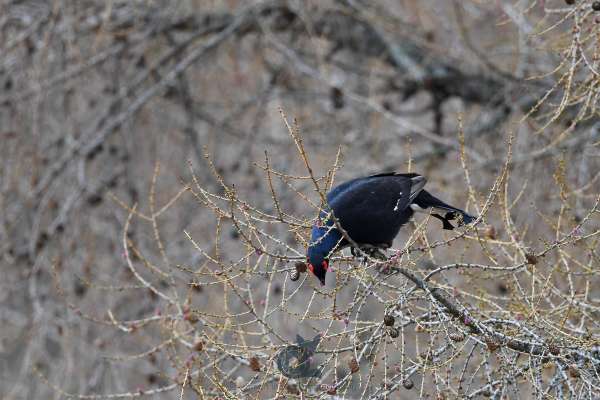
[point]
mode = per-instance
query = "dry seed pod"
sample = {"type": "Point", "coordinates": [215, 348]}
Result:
{"type": "Point", "coordinates": [531, 258]}
{"type": "Point", "coordinates": [492, 345]}
{"type": "Point", "coordinates": [294, 275]}
{"type": "Point", "coordinates": [191, 317]}
{"type": "Point", "coordinates": [388, 320]}
{"type": "Point", "coordinates": [574, 371]}
{"type": "Point", "coordinates": [408, 384]}
{"type": "Point", "coordinates": [254, 364]}
{"type": "Point", "coordinates": [490, 232]}
{"type": "Point", "coordinates": [456, 337]}
{"type": "Point", "coordinates": [353, 365]}
{"type": "Point", "coordinates": [300, 267]}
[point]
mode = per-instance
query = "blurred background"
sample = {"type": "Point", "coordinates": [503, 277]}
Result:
{"type": "Point", "coordinates": [109, 104]}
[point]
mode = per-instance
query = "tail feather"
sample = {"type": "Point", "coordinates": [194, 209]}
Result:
{"type": "Point", "coordinates": [445, 221]}
{"type": "Point", "coordinates": [426, 200]}
{"type": "Point", "coordinates": [468, 218]}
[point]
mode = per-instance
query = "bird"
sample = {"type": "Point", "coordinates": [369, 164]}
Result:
{"type": "Point", "coordinates": [371, 210]}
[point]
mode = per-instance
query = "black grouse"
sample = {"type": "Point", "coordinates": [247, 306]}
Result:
{"type": "Point", "coordinates": [371, 210]}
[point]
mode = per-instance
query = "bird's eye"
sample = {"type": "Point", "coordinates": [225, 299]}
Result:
{"type": "Point", "coordinates": [325, 265]}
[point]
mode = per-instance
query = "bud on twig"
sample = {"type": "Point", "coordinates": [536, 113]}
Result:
{"type": "Point", "coordinates": [300, 267]}
{"type": "Point", "coordinates": [457, 337]}
{"type": "Point", "coordinates": [389, 320]}
{"type": "Point", "coordinates": [254, 364]}
{"type": "Point", "coordinates": [294, 275]}
{"type": "Point", "coordinates": [531, 258]}
{"type": "Point", "coordinates": [353, 365]}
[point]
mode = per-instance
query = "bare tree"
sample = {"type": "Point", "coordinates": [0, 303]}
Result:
{"type": "Point", "coordinates": [157, 201]}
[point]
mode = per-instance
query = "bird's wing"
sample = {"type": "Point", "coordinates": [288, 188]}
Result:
{"type": "Point", "coordinates": [333, 193]}
{"type": "Point", "coordinates": [372, 209]}
{"type": "Point", "coordinates": [418, 182]}
{"type": "Point", "coordinates": [403, 174]}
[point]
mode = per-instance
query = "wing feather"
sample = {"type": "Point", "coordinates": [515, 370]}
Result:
{"type": "Point", "coordinates": [373, 208]}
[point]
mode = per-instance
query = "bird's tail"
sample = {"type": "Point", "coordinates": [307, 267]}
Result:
{"type": "Point", "coordinates": [425, 200]}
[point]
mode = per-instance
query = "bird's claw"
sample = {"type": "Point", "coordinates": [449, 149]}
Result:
{"type": "Point", "coordinates": [371, 251]}
{"type": "Point", "coordinates": [378, 254]}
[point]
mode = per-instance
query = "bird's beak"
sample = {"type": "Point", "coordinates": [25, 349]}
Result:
{"type": "Point", "coordinates": [322, 280]}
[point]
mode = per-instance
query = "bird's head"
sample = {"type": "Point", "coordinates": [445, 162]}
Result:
{"type": "Point", "coordinates": [323, 242]}
{"type": "Point", "coordinates": [317, 264]}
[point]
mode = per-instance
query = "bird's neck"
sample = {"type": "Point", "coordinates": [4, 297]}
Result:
{"type": "Point", "coordinates": [324, 238]}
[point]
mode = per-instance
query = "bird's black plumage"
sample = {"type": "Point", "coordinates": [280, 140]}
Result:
{"type": "Point", "coordinates": [372, 210]}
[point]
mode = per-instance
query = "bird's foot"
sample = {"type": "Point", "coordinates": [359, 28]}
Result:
{"type": "Point", "coordinates": [378, 254]}
{"type": "Point", "coordinates": [372, 251]}
{"type": "Point", "coordinates": [357, 253]}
